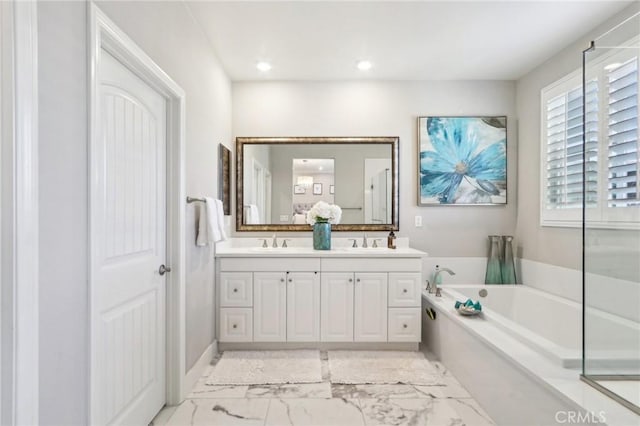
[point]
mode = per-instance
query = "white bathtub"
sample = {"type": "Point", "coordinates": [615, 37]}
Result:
{"type": "Point", "coordinates": [552, 325]}
{"type": "Point", "coordinates": [524, 348]}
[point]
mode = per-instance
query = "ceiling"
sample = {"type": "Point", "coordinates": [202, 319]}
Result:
{"type": "Point", "coordinates": [419, 40]}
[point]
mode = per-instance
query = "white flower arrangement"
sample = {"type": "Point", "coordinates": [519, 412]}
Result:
{"type": "Point", "coordinates": [324, 212]}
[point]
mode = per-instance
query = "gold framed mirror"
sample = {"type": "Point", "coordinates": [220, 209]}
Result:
{"type": "Point", "coordinates": [278, 179]}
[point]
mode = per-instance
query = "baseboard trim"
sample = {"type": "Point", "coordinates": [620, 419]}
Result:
{"type": "Point", "coordinates": [194, 374]}
{"type": "Point", "coordinates": [323, 346]}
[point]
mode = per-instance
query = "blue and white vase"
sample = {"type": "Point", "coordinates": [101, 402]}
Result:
{"type": "Point", "coordinates": [322, 236]}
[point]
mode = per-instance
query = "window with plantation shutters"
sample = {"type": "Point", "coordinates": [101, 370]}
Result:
{"type": "Point", "coordinates": [564, 154]}
{"type": "Point", "coordinates": [611, 143]}
{"type": "Point", "coordinates": [622, 133]}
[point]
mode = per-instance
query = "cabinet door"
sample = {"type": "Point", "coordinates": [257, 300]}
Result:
{"type": "Point", "coordinates": [269, 307]}
{"type": "Point", "coordinates": [303, 307]}
{"type": "Point", "coordinates": [236, 289]}
{"type": "Point", "coordinates": [370, 324]}
{"type": "Point", "coordinates": [336, 323]}
{"type": "Point", "coordinates": [404, 289]}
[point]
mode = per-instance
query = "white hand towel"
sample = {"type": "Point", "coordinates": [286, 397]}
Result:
{"type": "Point", "coordinates": [220, 219]}
{"type": "Point", "coordinates": [211, 223]}
{"type": "Point", "coordinates": [253, 216]}
{"type": "Point", "coordinates": [213, 230]}
{"type": "Point", "coordinates": [203, 229]}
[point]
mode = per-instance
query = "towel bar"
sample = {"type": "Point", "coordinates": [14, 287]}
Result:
{"type": "Point", "coordinates": [193, 200]}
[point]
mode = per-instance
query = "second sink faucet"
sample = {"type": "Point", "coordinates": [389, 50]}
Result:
{"type": "Point", "coordinates": [274, 244]}
{"type": "Point", "coordinates": [364, 241]}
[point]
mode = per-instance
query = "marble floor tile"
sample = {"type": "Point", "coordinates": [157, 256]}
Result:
{"type": "Point", "coordinates": [296, 390]}
{"type": "Point", "coordinates": [409, 411]}
{"type": "Point", "coordinates": [375, 391]}
{"type": "Point", "coordinates": [470, 411]}
{"type": "Point", "coordinates": [203, 390]}
{"type": "Point", "coordinates": [220, 412]}
{"type": "Point", "coordinates": [451, 389]}
{"type": "Point", "coordinates": [315, 412]}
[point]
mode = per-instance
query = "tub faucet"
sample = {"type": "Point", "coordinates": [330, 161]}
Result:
{"type": "Point", "coordinates": [437, 280]}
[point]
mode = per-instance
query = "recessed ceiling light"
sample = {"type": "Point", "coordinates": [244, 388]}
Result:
{"type": "Point", "coordinates": [263, 66]}
{"type": "Point", "coordinates": [364, 65]}
{"type": "Point", "coordinates": [612, 66]}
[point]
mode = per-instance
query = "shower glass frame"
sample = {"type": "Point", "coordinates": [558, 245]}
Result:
{"type": "Point", "coordinates": [603, 366]}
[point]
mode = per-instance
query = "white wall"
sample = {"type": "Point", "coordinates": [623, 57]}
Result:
{"type": "Point", "coordinates": [390, 108]}
{"type": "Point", "coordinates": [167, 32]}
{"type": "Point", "coordinates": [64, 357]}
{"type": "Point", "coordinates": [556, 246]}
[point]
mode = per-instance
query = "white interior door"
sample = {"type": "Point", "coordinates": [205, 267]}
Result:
{"type": "Point", "coordinates": [128, 234]}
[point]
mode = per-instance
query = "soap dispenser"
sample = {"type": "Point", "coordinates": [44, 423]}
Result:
{"type": "Point", "coordinates": [391, 240]}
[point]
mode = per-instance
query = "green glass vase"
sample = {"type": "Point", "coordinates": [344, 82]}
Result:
{"type": "Point", "coordinates": [507, 267]}
{"type": "Point", "coordinates": [494, 273]}
{"type": "Point", "coordinates": [322, 236]}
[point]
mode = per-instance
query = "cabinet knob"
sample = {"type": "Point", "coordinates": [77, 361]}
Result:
{"type": "Point", "coordinates": [358, 280]}
{"type": "Point", "coordinates": [350, 280]}
{"type": "Point", "coordinates": [281, 280]}
{"type": "Point", "coordinates": [404, 325]}
{"type": "Point", "coordinates": [290, 280]}
{"type": "Point", "coordinates": [235, 325]}
{"type": "Point", "coordinates": [235, 290]}
{"type": "Point", "coordinates": [404, 290]}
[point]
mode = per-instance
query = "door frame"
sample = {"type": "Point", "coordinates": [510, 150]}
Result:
{"type": "Point", "coordinates": [103, 33]}
{"type": "Point", "coordinates": [19, 265]}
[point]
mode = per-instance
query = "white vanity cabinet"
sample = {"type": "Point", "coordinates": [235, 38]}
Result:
{"type": "Point", "coordinates": [354, 307]}
{"type": "Point", "coordinates": [303, 306]}
{"type": "Point", "coordinates": [269, 307]}
{"type": "Point", "coordinates": [405, 293]}
{"type": "Point", "coordinates": [236, 306]}
{"type": "Point", "coordinates": [319, 298]}
{"type": "Point", "coordinates": [370, 307]}
{"type": "Point", "coordinates": [336, 307]}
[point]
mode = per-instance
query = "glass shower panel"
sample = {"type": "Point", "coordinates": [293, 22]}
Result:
{"type": "Point", "coordinates": [611, 267]}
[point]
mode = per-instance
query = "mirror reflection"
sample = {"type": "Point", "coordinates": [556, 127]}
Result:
{"type": "Point", "coordinates": [313, 181]}
{"type": "Point", "coordinates": [281, 182]}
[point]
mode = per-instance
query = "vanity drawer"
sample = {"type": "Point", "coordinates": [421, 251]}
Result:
{"type": "Point", "coordinates": [236, 324]}
{"type": "Point", "coordinates": [270, 264]}
{"type": "Point", "coordinates": [374, 264]}
{"type": "Point", "coordinates": [404, 289]}
{"type": "Point", "coordinates": [236, 289]}
{"type": "Point", "coordinates": [404, 325]}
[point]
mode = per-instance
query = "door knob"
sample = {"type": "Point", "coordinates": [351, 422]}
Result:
{"type": "Point", "coordinates": [163, 269]}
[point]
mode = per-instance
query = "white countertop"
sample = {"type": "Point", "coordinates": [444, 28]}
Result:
{"type": "Point", "coordinates": [249, 247]}
{"type": "Point", "coordinates": [310, 252]}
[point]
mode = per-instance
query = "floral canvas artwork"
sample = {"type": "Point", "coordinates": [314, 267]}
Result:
{"type": "Point", "coordinates": [463, 160]}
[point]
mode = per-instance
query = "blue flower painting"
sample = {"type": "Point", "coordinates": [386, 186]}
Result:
{"type": "Point", "coordinates": [463, 160]}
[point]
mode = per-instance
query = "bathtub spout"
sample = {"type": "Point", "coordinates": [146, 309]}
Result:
{"type": "Point", "coordinates": [437, 280]}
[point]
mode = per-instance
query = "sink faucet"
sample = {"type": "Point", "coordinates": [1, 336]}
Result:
{"type": "Point", "coordinates": [364, 241]}
{"type": "Point", "coordinates": [437, 279]}
{"type": "Point", "coordinates": [274, 244]}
